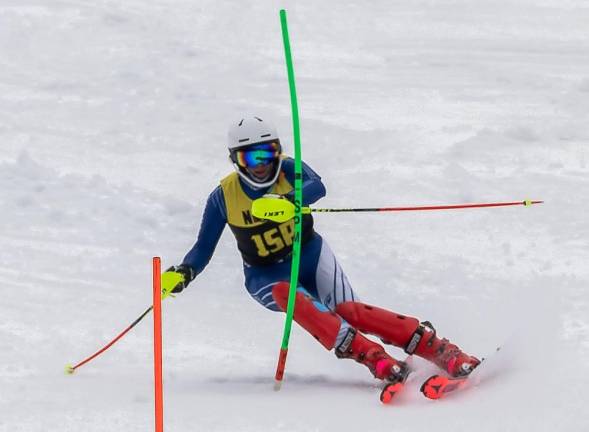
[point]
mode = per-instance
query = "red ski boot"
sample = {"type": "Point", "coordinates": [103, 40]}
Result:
{"type": "Point", "coordinates": [458, 363]}
{"type": "Point", "coordinates": [441, 352]}
{"type": "Point", "coordinates": [356, 346]}
{"type": "Point", "coordinates": [408, 333]}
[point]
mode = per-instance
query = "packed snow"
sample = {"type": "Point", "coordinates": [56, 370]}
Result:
{"type": "Point", "coordinates": [113, 117]}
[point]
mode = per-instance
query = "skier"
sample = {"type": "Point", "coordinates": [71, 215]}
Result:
{"type": "Point", "coordinates": [325, 306]}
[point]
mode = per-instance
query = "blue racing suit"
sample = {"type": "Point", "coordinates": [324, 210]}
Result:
{"type": "Point", "coordinates": [320, 274]}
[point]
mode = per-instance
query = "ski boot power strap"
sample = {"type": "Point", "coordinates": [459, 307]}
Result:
{"type": "Point", "coordinates": [418, 335]}
{"type": "Point", "coordinates": [341, 351]}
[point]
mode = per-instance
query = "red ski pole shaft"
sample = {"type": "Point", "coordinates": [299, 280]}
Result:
{"type": "Point", "coordinates": [70, 369]}
{"type": "Point", "coordinates": [422, 208]}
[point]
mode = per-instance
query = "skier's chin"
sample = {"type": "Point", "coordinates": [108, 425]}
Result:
{"type": "Point", "coordinates": [261, 178]}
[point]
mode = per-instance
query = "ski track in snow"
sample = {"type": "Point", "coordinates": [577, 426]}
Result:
{"type": "Point", "coordinates": [112, 127]}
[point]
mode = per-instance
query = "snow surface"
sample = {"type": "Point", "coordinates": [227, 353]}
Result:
{"type": "Point", "coordinates": [113, 118]}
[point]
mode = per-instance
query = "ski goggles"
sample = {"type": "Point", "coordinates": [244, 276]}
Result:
{"type": "Point", "coordinates": [257, 154]}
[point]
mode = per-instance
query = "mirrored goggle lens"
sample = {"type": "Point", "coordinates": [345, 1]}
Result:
{"type": "Point", "coordinates": [260, 154]}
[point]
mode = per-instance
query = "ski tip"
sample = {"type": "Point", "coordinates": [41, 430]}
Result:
{"type": "Point", "coordinates": [431, 387]}
{"type": "Point", "coordinates": [389, 391]}
{"type": "Point", "coordinates": [69, 369]}
{"type": "Point", "coordinates": [437, 386]}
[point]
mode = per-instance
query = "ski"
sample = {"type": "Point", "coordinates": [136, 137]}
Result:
{"type": "Point", "coordinates": [390, 390]}
{"type": "Point", "coordinates": [439, 386]}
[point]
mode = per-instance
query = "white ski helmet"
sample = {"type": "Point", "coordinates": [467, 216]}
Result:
{"type": "Point", "coordinates": [251, 142]}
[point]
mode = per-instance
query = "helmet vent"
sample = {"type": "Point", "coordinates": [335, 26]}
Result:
{"type": "Point", "coordinates": [258, 119]}
{"type": "Point", "coordinates": [244, 140]}
{"type": "Point", "coordinates": [265, 135]}
{"type": "Point", "coordinates": [240, 123]}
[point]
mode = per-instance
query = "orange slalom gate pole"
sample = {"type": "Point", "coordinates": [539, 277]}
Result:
{"type": "Point", "coordinates": [157, 345]}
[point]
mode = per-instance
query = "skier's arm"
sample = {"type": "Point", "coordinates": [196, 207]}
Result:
{"type": "Point", "coordinates": [313, 188]}
{"type": "Point", "coordinates": [214, 218]}
{"type": "Point", "coordinates": [213, 222]}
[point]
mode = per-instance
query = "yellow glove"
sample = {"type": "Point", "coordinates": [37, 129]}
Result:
{"type": "Point", "coordinates": [175, 279]}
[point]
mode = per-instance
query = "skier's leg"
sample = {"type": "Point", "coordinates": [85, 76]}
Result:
{"type": "Point", "coordinates": [408, 333]}
{"type": "Point", "coordinates": [266, 285]}
{"type": "Point", "coordinates": [326, 279]}
{"type": "Point", "coordinates": [334, 291]}
{"type": "Point", "coordinates": [259, 282]}
{"type": "Point", "coordinates": [334, 332]}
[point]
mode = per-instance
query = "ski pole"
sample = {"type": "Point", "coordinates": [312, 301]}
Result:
{"type": "Point", "coordinates": [69, 369]}
{"type": "Point", "coordinates": [282, 210]}
{"type": "Point", "coordinates": [420, 208]}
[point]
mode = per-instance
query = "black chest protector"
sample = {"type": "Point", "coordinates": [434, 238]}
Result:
{"type": "Point", "coordinates": [260, 242]}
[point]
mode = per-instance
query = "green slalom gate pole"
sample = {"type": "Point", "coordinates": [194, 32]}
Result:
{"type": "Point", "coordinates": [298, 200]}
